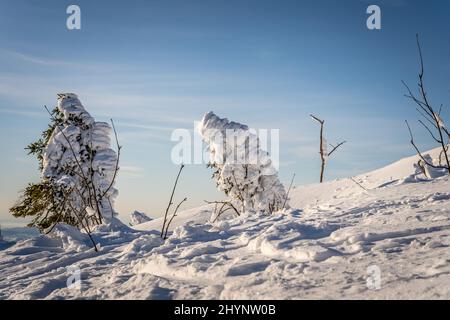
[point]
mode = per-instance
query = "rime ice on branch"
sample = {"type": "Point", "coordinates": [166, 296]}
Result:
{"type": "Point", "coordinates": [79, 162]}
{"type": "Point", "coordinates": [242, 170]}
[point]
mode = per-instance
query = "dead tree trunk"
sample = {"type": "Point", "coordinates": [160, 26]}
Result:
{"type": "Point", "coordinates": [323, 147]}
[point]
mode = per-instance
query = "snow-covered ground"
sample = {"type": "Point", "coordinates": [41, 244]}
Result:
{"type": "Point", "coordinates": [329, 245]}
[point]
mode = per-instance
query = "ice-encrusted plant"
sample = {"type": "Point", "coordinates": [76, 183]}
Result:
{"type": "Point", "coordinates": [78, 170]}
{"type": "Point", "coordinates": [241, 168]}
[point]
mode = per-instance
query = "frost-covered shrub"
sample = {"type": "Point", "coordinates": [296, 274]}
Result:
{"type": "Point", "coordinates": [78, 169]}
{"type": "Point", "coordinates": [79, 162]}
{"type": "Point", "coordinates": [241, 169]}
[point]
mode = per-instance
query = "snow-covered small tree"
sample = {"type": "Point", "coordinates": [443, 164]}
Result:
{"type": "Point", "coordinates": [78, 170]}
{"type": "Point", "coordinates": [241, 169]}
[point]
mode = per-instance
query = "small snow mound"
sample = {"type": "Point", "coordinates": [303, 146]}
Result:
{"type": "Point", "coordinates": [221, 226]}
{"type": "Point", "coordinates": [424, 171]}
{"type": "Point", "coordinates": [137, 217]}
{"type": "Point", "coordinates": [141, 246]}
{"type": "Point", "coordinates": [193, 232]}
{"type": "Point", "coordinates": [71, 238]}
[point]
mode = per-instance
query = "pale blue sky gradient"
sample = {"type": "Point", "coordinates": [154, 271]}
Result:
{"type": "Point", "coordinates": [155, 66]}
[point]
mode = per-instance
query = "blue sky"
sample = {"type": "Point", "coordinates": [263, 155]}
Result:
{"type": "Point", "coordinates": [155, 66]}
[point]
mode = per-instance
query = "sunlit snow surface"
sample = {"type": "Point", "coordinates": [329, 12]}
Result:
{"type": "Point", "coordinates": [322, 248]}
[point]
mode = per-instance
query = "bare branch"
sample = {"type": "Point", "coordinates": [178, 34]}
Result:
{"type": "Point", "coordinates": [170, 201]}
{"type": "Point", "coordinates": [418, 151]}
{"type": "Point", "coordinates": [431, 121]}
{"type": "Point", "coordinates": [80, 221]}
{"type": "Point", "coordinates": [240, 196]}
{"type": "Point", "coordinates": [173, 216]}
{"type": "Point", "coordinates": [224, 204]}
{"type": "Point", "coordinates": [287, 194]}
{"type": "Point", "coordinates": [317, 119]}
{"type": "Point", "coordinates": [443, 151]}
{"type": "Point", "coordinates": [429, 131]}
{"type": "Point", "coordinates": [429, 114]}
{"type": "Point", "coordinates": [358, 184]}
{"type": "Point", "coordinates": [322, 147]}
{"type": "Point", "coordinates": [335, 148]}
{"type": "Point", "coordinates": [420, 103]}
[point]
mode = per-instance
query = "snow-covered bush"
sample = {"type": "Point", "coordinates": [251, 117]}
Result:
{"type": "Point", "coordinates": [241, 169]}
{"type": "Point", "coordinates": [79, 162]}
{"type": "Point", "coordinates": [78, 170]}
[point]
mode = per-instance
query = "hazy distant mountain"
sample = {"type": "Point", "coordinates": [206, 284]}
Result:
{"type": "Point", "coordinates": [18, 233]}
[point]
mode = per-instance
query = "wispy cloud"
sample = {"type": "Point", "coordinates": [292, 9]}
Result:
{"type": "Point", "coordinates": [51, 62]}
{"type": "Point", "coordinates": [144, 137]}
{"type": "Point", "coordinates": [131, 170]}
{"type": "Point", "coordinates": [33, 59]}
{"type": "Point", "coordinates": [26, 113]}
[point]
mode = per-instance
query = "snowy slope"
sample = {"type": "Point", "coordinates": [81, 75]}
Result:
{"type": "Point", "coordinates": [394, 221]}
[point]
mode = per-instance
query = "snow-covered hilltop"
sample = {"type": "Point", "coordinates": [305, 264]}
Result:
{"type": "Point", "coordinates": [384, 234]}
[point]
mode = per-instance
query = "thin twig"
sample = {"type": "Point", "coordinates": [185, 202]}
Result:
{"type": "Point", "coordinates": [429, 131]}
{"type": "Point", "coordinates": [357, 183]}
{"type": "Point", "coordinates": [334, 148]}
{"type": "Point", "coordinates": [170, 201]}
{"type": "Point", "coordinates": [418, 151]}
{"type": "Point", "coordinates": [173, 216]}
{"type": "Point", "coordinates": [287, 194]}
{"type": "Point", "coordinates": [223, 203]}
{"type": "Point", "coordinates": [429, 114]}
